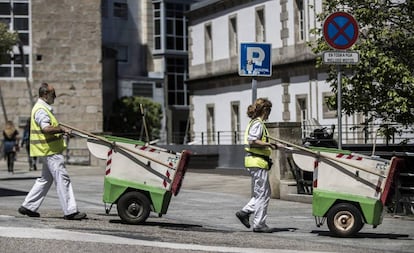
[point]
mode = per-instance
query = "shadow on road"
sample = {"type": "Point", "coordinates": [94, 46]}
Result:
{"type": "Point", "coordinates": [175, 226]}
{"type": "Point", "coordinates": [17, 178]}
{"type": "Point", "coordinates": [4, 192]}
{"type": "Point", "coordinates": [366, 235]}
{"type": "Point", "coordinates": [274, 230]}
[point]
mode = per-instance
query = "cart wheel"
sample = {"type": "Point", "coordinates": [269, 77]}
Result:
{"type": "Point", "coordinates": [344, 220]}
{"type": "Point", "coordinates": [133, 207]}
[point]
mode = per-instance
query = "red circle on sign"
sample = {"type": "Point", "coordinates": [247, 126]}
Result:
{"type": "Point", "coordinates": [340, 30]}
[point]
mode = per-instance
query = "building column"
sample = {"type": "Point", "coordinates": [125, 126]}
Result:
{"type": "Point", "coordinates": [286, 102]}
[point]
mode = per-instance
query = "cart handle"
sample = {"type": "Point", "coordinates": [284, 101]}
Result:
{"type": "Point", "coordinates": [114, 144]}
{"type": "Point", "coordinates": [324, 156]}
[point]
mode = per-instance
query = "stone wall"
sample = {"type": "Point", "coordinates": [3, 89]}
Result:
{"type": "Point", "coordinates": [290, 132]}
{"type": "Point", "coordinates": [66, 52]}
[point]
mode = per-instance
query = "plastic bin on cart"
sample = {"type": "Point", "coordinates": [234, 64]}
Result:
{"type": "Point", "coordinates": [139, 178]}
{"type": "Point", "coordinates": [349, 189]}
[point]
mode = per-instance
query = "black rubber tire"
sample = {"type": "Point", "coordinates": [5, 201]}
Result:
{"type": "Point", "coordinates": [133, 207]}
{"type": "Point", "coordinates": [344, 220]}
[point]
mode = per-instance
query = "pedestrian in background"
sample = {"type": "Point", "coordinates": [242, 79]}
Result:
{"type": "Point", "coordinates": [46, 141]}
{"type": "Point", "coordinates": [258, 163]}
{"type": "Point", "coordinates": [10, 144]}
{"type": "Point", "coordinates": [26, 143]}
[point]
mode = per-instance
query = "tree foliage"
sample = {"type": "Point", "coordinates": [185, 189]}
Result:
{"type": "Point", "coordinates": [7, 40]}
{"type": "Point", "coordinates": [127, 117]}
{"type": "Point", "coordinates": [382, 85]}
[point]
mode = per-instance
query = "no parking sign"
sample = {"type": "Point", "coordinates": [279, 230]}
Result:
{"type": "Point", "coordinates": [340, 30]}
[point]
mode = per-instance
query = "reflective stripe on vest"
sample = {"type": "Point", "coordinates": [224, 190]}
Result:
{"type": "Point", "coordinates": [250, 160]}
{"type": "Point", "coordinates": [42, 144]}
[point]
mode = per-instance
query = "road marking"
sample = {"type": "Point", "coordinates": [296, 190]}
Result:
{"type": "Point", "coordinates": [59, 234]}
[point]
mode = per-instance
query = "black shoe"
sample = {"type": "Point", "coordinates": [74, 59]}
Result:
{"type": "Point", "coordinates": [75, 216]}
{"type": "Point", "coordinates": [34, 167]}
{"type": "Point", "coordinates": [244, 218]}
{"type": "Point", "coordinates": [265, 229]}
{"type": "Point", "coordinates": [23, 210]}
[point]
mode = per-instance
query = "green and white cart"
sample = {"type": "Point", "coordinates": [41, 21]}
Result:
{"type": "Point", "coordinates": [349, 189]}
{"type": "Point", "coordinates": [139, 178]}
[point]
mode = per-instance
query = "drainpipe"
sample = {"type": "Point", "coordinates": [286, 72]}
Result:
{"type": "Point", "coordinates": [2, 106]}
{"type": "Point", "coordinates": [29, 86]}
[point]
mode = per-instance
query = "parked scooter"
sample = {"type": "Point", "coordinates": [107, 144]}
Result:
{"type": "Point", "coordinates": [321, 137]}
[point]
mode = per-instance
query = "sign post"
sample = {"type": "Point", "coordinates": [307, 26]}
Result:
{"type": "Point", "coordinates": [340, 31]}
{"type": "Point", "coordinates": [255, 59]}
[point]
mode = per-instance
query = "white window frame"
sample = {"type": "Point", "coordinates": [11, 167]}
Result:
{"type": "Point", "coordinates": [27, 49]}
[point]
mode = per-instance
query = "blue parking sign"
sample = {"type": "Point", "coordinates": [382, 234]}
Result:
{"type": "Point", "coordinates": [255, 59]}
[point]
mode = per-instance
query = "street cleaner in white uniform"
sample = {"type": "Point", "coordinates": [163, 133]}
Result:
{"type": "Point", "coordinates": [258, 163]}
{"type": "Point", "coordinates": [46, 141]}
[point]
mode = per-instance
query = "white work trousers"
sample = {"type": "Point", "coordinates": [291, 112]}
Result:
{"type": "Point", "coordinates": [261, 197]}
{"type": "Point", "coordinates": [53, 169]}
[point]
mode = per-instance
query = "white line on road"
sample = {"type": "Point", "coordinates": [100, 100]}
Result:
{"type": "Point", "coordinates": [59, 234]}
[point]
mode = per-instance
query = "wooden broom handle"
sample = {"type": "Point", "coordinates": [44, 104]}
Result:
{"type": "Point", "coordinates": [324, 156]}
{"type": "Point", "coordinates": [112, 143]}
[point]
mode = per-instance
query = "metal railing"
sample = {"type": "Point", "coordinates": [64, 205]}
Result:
{"type": "Point", "coordinates": [351, 134]}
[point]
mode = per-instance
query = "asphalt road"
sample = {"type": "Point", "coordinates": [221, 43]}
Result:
{"type": "Point", "coordinates": [200, 219]}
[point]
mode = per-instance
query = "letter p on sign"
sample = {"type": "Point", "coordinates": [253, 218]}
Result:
{"type": "Point", "coordinates": [256, 55]}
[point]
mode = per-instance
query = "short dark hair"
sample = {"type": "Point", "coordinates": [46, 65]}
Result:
{"type": "Point", "coordinates": [44, 89]}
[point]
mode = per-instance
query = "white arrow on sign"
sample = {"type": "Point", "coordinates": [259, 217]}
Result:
{"type": "Point", "coordinates": [338, 57]}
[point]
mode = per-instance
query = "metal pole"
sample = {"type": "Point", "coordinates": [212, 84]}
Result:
{"type": "Point", "coordinates": [254, 90]}
{"type": "Point", "coordinates": [254, 97]}
{"type": "Point", "coordinates": [339, 109]}
{"type": "Point", "coordinates": [202, 138]}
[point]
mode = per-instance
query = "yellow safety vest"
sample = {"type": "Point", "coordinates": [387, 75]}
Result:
{"type": "Point", "coordinates": [42, 144]}
{"type": "Point", "coordinates": [256, 157]}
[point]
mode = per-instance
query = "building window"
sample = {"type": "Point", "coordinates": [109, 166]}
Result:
{"type": "Point", "coordinates": [260, 25]}
{"type": "Point", "coordinates": [15, 14]}
{"type": "Point", "coordinates": [235, 122]}
{"type": "Point", "coordinates": [328, 111]}
{"type": "Point", "coordinates": [142, 90]}
{"type": "Point", "coordinates": [176, 27]}
{"type": "Point", "coordinates": [208, 42]}
{"type": "Point", "coordinates": [157, 26]}
{"type": "Point", "coordinates": [121, 10]}
{"type": "Point", "coordinates": [233, 41]}
{"type": "Point", "coordinates": [171, 23]}
{"type": "Point", "coordinates": [302, 112]}
{"type": "Point", "coordinates": [301, 17]}
{"type": "Point", "coordinates": [211, 138]}
{"type": "Point", "coordinates": [176, 76]}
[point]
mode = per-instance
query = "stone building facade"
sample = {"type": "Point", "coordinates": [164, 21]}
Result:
{"type": "Point", "coordinates": [64, 50]}
{"type": "Point", "coordinates": [220, 96]}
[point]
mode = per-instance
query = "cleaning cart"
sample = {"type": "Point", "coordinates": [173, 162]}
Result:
{"type": "Point", "coordinates": [349, 189]}
{"type": "Point", "coordinates": [139, 178]}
